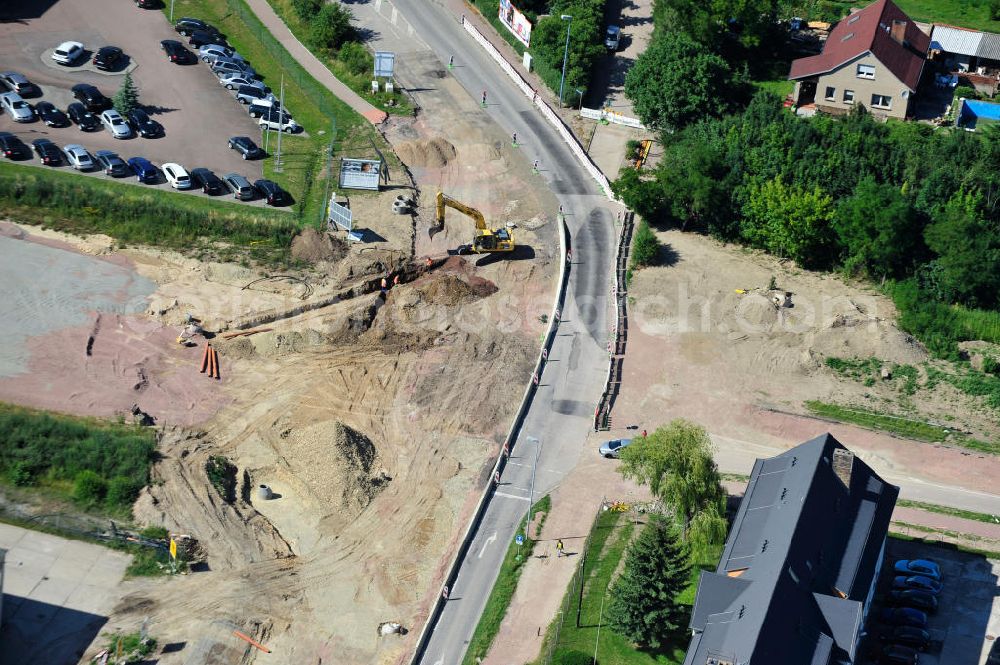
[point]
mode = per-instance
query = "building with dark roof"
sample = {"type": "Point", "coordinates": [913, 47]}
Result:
{"type": "Point", "coordinates": [874, 57]}
{"type": "Point", "coordinates": [798, 571]}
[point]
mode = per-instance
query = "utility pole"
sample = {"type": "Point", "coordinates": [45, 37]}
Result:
{"type": "Point", "coordinates": [281, 114]}
{"type": "Point", "coordinates": [329, 169]}
{"type": "Point", "coordinates": [564, 17]}
{"type": "Point", "coordinates": [531, 492]}
{"type": "Point", "coordinates": [171, 11]}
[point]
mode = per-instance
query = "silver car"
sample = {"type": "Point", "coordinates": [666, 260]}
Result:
{"type": "Point", "coordinates": [78, 157]}
{"type": "Point", "coordinates": [612, 449]}
{"type": "Point", "coordinates": [234, 80]}
{"type": "Point", "coordinates": [240, 186]}
{"type": "Point", "coordinates": [229, 66]}
{"type": "Point", "coordinates": [116, 124]}
{"type": "Point", "coordinates": [212, 52]}
{"type": "Point", "coordinates": [16, 108]}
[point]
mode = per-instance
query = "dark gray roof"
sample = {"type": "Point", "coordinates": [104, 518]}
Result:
{"type": "Point", "coordinates": [800, 559]}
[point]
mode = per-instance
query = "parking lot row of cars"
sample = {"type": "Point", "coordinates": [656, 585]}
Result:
{"type": "Point", "coordinates": [916, 584]}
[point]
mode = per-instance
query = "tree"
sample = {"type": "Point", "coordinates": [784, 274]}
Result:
{"type": "Point", "coordinates": [331, 27]}
{"type": "Point", "coordinates": [677, 81]}
{"type": "Point", "coordinates": [676, 462]}
{"type": "Point", "coordinates": [708, 22]}
{"type": "Point", "coordinates": [645, 246]}
{"type": "Point", "coordinates": [643, 605]}
{"type": "Point", "coordinates": [789, 221]}
{"type": "Point", "coordinates": [968, 248]}
{"type": "Point", "coordinates": [127, 97]}
{"type": "Point", "coordinates": [306, 9]}
{"type": "Point", "coordinates": [878, 229]}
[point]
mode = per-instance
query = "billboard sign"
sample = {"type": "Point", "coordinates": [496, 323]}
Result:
{"type": "Point", "coordinates": [360, 173]}
{"type": "Point", "coordinates": [384, 61]}
{"type": "Point", "coordinates": [516, 22]}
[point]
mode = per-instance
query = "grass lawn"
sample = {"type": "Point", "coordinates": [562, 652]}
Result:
{"type": "Point", "coordinates": [609, 538]}
{"type": "Point", "coordinates": [964, 13]}
{"type": "Point", "coordinates": [948, 510]}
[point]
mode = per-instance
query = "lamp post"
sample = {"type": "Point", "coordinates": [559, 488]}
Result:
{"type": "Point", "coordinates": [580, 94]}
{"type": "Point", "coordinates": [569, 19]}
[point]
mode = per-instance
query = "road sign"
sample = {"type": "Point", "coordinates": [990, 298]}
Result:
{"type": "Point", "coordinates": [384, 61]}
{"type": "Point", "coordinates": [519, 539]}
{"type": "Point", "coordinates": [173, 548]}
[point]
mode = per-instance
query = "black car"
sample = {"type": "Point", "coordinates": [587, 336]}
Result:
{"type": "Point", "coordinates": [199, 38]}
{"type": "Point", "coordinates": [91, 97]}
{"type": "Point", "coordinates": [47, 151]}
{"type": "Point", "coordinates": [108, 57]}
{"type": "Point", "coordinates": [209, 182]}
{"type": "Point", "coordinates": [13, 147]}
{"type": "Point", "coordinates": [246, 147]}
{"type": "Point", "coordinates": [910, 636]}
{"type": "Point", "coordinates": [271, 192]}
{"type": "Point", "coordinates": [186, 25]}
{"type": "Point", "coordinates": [177, 52]}
{"type": "Point", "coordinates": [83, 118]}
{"type": "Point", "coordinates": [894, 654]}
{"type": "Point", "coordinates": [147, 4]}
{"type": "Point", "coordinates": [914, 598]}
{"type": "Point", "coordinates": [145, 126]}
{"type": "Point", "coordinates": [111, 163]}
{"type": "Point", "coordinates": [50, 115]}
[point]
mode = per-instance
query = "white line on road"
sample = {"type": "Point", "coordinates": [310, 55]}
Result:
{"type": "Point", "coordinates": [489, 540]}
{"type": "Point", "coordinates": [511, 496]}
{"type": "Point", "coordinates": [528, 465]}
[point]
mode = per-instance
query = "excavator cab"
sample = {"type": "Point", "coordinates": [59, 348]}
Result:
{"type": "Point", "coordinates": [485, 240]}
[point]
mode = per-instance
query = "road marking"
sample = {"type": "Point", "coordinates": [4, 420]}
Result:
{"type": "Point", "coordinates": [529, 466]}
{"type": "Point", "coordinates": [511, 496]}
{"type": "Point", "coordinates": [486, 544]}
{"type": "Point", "coordinates": [440, 661]}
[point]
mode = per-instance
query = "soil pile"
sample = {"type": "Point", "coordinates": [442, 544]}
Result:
{"type": "Point", "coordinates": [314, 246]}
{"type": "Point", "coordinates": [428, 154]}
{"type": "Point", "coordinates": [452, 290]}
{"type": "Point", "coordinates": [357, 469]}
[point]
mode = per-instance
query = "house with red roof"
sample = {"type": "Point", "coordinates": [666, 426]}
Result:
{"type": "Point", "coordinates": [873, 57]}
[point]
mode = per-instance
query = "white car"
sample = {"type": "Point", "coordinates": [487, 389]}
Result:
{"type": "Point", "coordinates": [16, 108]}
{"type": "Point", "coordinates": [210, 52]}
{"type": "Point", "coordinates": [67, 53]}
{"type": "Point", "coordinates": [78, 157]}
{"type": "Point", "coordinates": [234, 80]}
{"type": "Point", "coordinates": [279, 122]}
{"type": "Point", "coordinates": [177, 176]}
{"type": "Point", "coordinates": [116, 124]}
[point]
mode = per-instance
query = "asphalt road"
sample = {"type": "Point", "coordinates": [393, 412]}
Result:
{"type": "Point", "coordinates": [562, 411]}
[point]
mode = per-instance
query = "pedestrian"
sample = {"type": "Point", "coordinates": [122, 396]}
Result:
{"type": "Point", "coordinates": [484, 99]}
{"type": "Point", "coordinates": [395, 280]}
{"type": "Point", "coordinates": [429, 262]}
{"type": "Point", "coordinates": [644, 434]}
{"type": "Point", "coordinates": [535, 166]}
{"type": "Point", "coordinates": [513, 138]}
{"type": "Point", "coordinates": [451, 62]}
{"type": "Point", "coordinates": [384, 283]}
{"type": "Point", "coordinates": [444, 593]}
{"type": "Point", "coordinates": [559, 547]}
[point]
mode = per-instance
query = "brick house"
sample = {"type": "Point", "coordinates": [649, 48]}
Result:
{"type": "Point", "coordinates": [874, 57]}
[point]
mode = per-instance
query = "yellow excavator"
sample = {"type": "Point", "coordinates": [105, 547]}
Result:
{"type": "Point", "coordinates": [485, 241]}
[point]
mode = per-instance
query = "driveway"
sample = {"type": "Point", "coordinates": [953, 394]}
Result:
{"type": "Point", "coordinates": [197, 113]}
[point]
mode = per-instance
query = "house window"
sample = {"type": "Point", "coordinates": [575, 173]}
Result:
{"type": "Point", "coordinates": [882, 101]}
{"type": "Point", "coordinates": [848, 96]}
{"type": "Point", "coordinates": [831, 93]}
{"type": "Point", "coordinates": [866, 71]}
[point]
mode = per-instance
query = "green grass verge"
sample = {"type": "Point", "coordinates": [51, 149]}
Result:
{"type": "Point", "coordinates": [947, 510]}
{"type": "Point", "coordinates": [139, 215]}
{"type": "Point", "coordinates": [133, 648]}
{"type": "Point", "coordinates": [904, 427]}
{"type": "Point", "coordinates": [506, 584]}
{"type": "Point", "coordinates": [966, 13]}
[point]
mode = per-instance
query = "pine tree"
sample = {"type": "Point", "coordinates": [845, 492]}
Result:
{"type": "Point", "coordinates": [127, 97]}
{"type": "Point", "coordinates": [643, 606]}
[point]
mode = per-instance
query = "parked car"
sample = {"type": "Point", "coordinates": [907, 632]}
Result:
{"type": "Point", "coordinates": [246, 147]}
{"type": "Point", "coordinates": [199, 38]}
{"type": "Point", "coordinates": [921, 600]}
{"type": "Point", "coordinates": [20, 84]}
{"type": "Point", "coordinates": [612, 449]}
{"type": "Point", "coordinates": [910, 636]}
{"type": "Point", "coordinates": [209, 52]}
{"type": "Point", "coordinates": [917, 582]}
{"type": "Point", "coordinates": [108, 57]}
{"type": "Point", "coordinates": [176, 52]}
{"type": "Point", "coordinates": [78, 157]}
{"type": "Point", "coordinates": [904, 616]}
{"type": "Point", "coordinates": [18, 109]}
{"type": "Point", "coordinates": [144, 170]}
{"type": "Point", "coordinates": [240, 187]}
{"type": "Point", "coordinates": [47, 151]}
{"type": "Point", "coordinates": [612, 38]}
{"type": "Point", "coordinates": [67, 53]}
{"type": "Point", "coordinates": [115, 124]}
{"type": "Point", "coordinates": [176, 175]}
{"type": "Point", "coordinates": [209, 183]}
{"type": "Point", "coordinates": [83, 118]}
{"type": "Point", "coordinates": [12, 147]}
{"type": "Point", "coordinates": [236, 79]}
{"type": "Point", "coordinates": [50, 115]}
{"type": "Point", "coordinates": [186, 25]}
{"type": "Point", "coordinates": [923, 567]}
{"type": "Point", "coordinates": [248, 94]}
{"type": "Point", "coordinates": [896, 654]}
{"type": "Point", "coordinates": [279, 122]}
{"type": "Point", "coordinates": [272, 192]}
{"type": "Point", "coordinates": [147, 4]}
{"type": "Point", "coordinates": [265, 105]}
{"type": "Point", "coordinates": [111, 163]}
{"type": "Point", "coordinates": [145, 126]}
{"type": "Point", "coordinates": [229, 66]}
{"type": "Point", "coordinates": [91, 97]}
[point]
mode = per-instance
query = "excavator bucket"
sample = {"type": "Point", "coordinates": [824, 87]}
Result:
{"type": "Point", "coordinates": [434, 229]}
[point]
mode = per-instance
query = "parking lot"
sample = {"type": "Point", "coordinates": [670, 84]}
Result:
{"type": "Point", "coordinates": [964, 628]}
{"type": "Point", "coordinates": [197, 113]}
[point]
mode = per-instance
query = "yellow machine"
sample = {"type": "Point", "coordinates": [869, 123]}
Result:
{"type": "Point", "coordinates": [485, 240]}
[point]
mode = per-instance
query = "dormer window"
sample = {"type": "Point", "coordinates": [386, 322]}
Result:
{"type": "Point", "coordinates": [866, 71]}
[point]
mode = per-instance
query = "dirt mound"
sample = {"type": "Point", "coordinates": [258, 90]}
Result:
{"type": "Point", "coordinates": [314, 246]}
{"type": "Point", "coordinates": [429, 154]}
{"type": "Point", "coordinates": [452, 290]}
{"type": "Point", "coordinates": [359, 479]}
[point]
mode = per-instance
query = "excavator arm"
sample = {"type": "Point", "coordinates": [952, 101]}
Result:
{"type": "Point", "coordinates": [485, 240]}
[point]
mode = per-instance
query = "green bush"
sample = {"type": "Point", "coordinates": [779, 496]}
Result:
{"type": "Point", "coordinates": [331, 28]}
{"type": "Point", "coordinates": [306, 9]}
{"type": "Point", "coordinates": [122, 491]}
{"type": "Point", "coordinates": [994, 8]}
{"type": "Point", "coordinates": [966, 91]}
{"type": "Point", "coordinates": [89, 488]}
{"type": "Point", "coordinates": [645, 246]}
{"type": "Point", "coordinates": [155, 533]}
{"type": "Point", "coordinates": [356, 58]}
{"type": "Point", "coordinates": [991, 365]}
{"type": "Point", "coordinates": [222, 475]}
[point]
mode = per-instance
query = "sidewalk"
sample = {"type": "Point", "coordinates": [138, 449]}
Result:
{"type": "Point", "coordinates": [311, 64]}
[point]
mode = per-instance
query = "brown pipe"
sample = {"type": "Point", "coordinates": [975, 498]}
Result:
{"type": "Point", "coordinates": [204, 357]}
